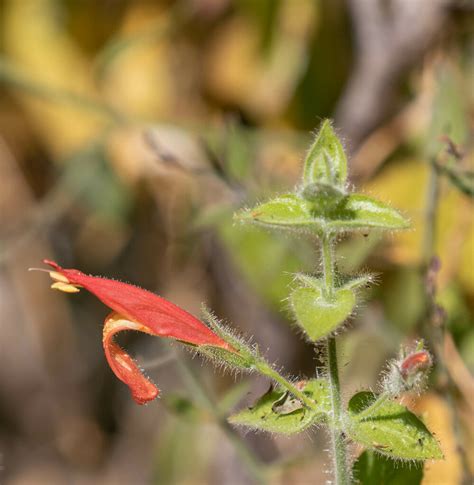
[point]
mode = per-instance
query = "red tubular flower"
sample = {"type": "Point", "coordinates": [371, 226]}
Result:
{"type": "Point", "coordinates": [135, 309]}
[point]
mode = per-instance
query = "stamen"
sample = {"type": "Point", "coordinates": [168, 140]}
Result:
{"type": "Point", "coordinates": [58, 277]}
{"type": "Point", "coordinates": [53, 274]}
{"type": "Point", "coordinates": [40, 269]}
{"type": "Point", "coordinates": [67, 288]}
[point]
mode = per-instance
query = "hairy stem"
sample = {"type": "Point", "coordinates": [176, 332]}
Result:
{"type": "Point", "coordinates": [339, 450]}
{"type": "Point", "coordinates": [328, 264]}
{"type": "Point", "coordinates": [265, 369]}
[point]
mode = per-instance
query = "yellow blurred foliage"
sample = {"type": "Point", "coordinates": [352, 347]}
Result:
{"type": "Point", "coordinates": [40, 46]}
{"type": "Point", "coordinates": [139, 81]}
{"type": "Point", "coordinates": [437, 416]}
{"type": "Point", "coordinates": [239, 74]}
{"type": "Point", "coordinates": [405, 185]}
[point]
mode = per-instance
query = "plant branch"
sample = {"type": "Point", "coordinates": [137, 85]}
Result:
{"type": "Point", "coordinates": [433, 324]}
{"type": "Point", "coordinates": [264, 368]}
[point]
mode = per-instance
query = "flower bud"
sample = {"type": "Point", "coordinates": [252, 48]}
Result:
{"type": "Point", "coordinates": [409, 371]}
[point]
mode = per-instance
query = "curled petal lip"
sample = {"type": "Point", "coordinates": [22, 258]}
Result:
{"type": "Point", "coordinates": [136, 309]}
{"type": "Point", "coordinates": [123, 366]}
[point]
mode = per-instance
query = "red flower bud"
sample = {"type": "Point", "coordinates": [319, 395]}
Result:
{"type": "Point", "coordinates": [135, 309]}
{"type": "Point", "coordinates": [419, 361]}
{"type": "Point", "coordinates": [409, 372]}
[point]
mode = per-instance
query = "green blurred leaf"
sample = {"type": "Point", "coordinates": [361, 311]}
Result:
{"type": "Point", "coordinates": [450, 110]}
{"type": "Point", "coordinates": [101, 190]}
{"type": "Point", "coordinates": [278, 412]}
{"type": "Point", "coordinates": [181, 406]}
{"type": "Point", "coordinates": [374, 469]}
{"type": "Point", "coordinates": [352, 253]}
{"type": "Point", "coordinates": [326, 161]}
{"type": "Point", "coordinates": [390, 429]}
{"type": "Point", "coordinates": [318, 314]}
{"type": "Point", "coordinates": [232, 397]}
{"type": "Point", "coordinates": [404, 284]}
{"type": "Point", "coordinates": [251, 250]}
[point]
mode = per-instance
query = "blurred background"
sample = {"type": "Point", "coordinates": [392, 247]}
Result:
{"type": "Point", "coordinates": [130, 131]}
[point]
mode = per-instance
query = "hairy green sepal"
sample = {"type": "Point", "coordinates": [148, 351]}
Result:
{"type": "Point", "coordinates": [278, 412]}
{"type": "Point", "coordinates": [242, 357]}
{"type": "Point", "coordinates": [390, 429]}
{"type": "Point", "coordinates": [375, 469]}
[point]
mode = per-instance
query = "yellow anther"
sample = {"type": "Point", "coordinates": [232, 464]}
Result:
{"type": "Point", "coordinates": [58, 277]}
{"type": "Point", "coordinates": [66, 287]}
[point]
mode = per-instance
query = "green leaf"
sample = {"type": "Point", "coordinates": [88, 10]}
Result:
{"type": "Point", "coordinates": [390, 429]}
{"type": "Point", "coordinates": [346, 282]}
{"type": "Point", "coordinates": [232, 397]}
{"type": "Point", "coordinates": [182, 406]}
{"type": "Point", "coordinates": [374, 469]}
{"type": "Point", "coordinates": [358, 212]}
{"type": "Point", "coordinates": [289, 211]}
{"type": "Point", "coordinates": [326, 161]}
{"type": "Point", "coordinates": [318, 314]}
{"type": "Point", "coordinates": [356, 282]}
{"type": "Point", "coordinates": [351, 213]}
{"type": "Point", "coordinates": [277, 411]}
{"type": "Point", "coordinates": [310, 281]}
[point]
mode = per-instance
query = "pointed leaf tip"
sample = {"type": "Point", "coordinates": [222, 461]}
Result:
{"type": "Point", "coordinates": [389, 428]}
{"type": "Point", "coordinates": [326, 161]}
{"type": "Point", "coordinates": [287, 211]}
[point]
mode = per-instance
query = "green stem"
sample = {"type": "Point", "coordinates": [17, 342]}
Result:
{"type": "Point", "coordinates": [429, 237]}
{"type": "Point", "coordinates": [328, 266]}
{"type": "Point", "coordinates": [369, 411]}
{"type": "Point", "coordinates": [436, 335]}
{"type": "Point", "coordinates": [264, 368]}
{"type": "Point", "coordinates": [339, 449]}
